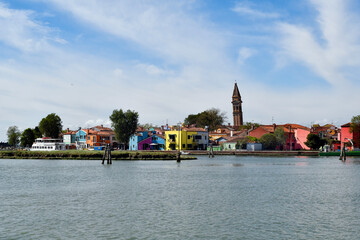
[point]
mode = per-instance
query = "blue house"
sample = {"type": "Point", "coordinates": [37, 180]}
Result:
{"type": "Point", "coordinates": [146, 141]}
{"type": "Point", "coordinates": [136, 138]}
{"type": "Point", "coordinates": [80, 139]}
{"type": "Point", "coordinates": [157, 142]}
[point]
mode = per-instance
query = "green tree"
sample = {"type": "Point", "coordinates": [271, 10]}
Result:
{"type": "Point", "coordinates": [355, 129]}
{"type": "Point", "coordinates": [13, 135]}
{"type": "Point", "coordinates": [241, 144]}
{"type": "Point", "coordinates": [249, 125]}
{"type": "Point", "coordinates": [37, 133]}
{"type": "Point", "coordinates": [212, 118]}
{"type": "Point", "coordinates": [27, 138]}
{"type": "Point", "coordinates": [268, 141]}
{"type": "Point", "coordinates": [252, 139]}
{"type": "Point", "coordinates": [51, 126]}
{"type": "Point", "coordinates": [191, 119]}
{"type": "Point", "coordinates": [314, 141]}
{"type": "Point", "coordinates": [280, 136]}
{"type": "Point", "coordinates": [124, 124]}
{"type": "Point", "coordinates": [147, 126]}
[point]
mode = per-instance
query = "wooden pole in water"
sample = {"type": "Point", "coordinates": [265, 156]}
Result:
{"type": "Point", "coordinates": [178, 156]}
{"type": "Point", "coordinates": [103, 158]}
{"type": "Point", "coordinates": [343, 153]}
{"type": "Point", "coordinates": [109, 154]}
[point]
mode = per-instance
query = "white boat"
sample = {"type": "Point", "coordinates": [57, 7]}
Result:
{"type": "Point", "coordinates": [48, 144]}
{"type": "Point", "coordinates": [184, 153]}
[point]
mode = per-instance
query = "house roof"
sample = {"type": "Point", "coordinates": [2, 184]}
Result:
{"type": "Point", "coordinates": [194, 129]}
{"type": "Point", "coordinates": [287, 127]}
{"type": "Point", "coordinates": [235, 139]}
{"type": "Point", "coordinates": [70, 133]}
{"type": "Point", "coordinates": [346, 125]}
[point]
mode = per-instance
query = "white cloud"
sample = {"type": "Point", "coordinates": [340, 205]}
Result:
{"type": "Point", "coordinates": [245, 53]}
{"type": "Point", "coordinates": [244, 8]}
{"type": "Point", "coordinates": [20, 31]}
{"type": "Point", "coordinates": [97, 122]}
{"type": "Point", "coordinates": [150, 69]}
{"type": "Point", "coordinates": [162, 27]}
{"type": "Point", "coordinates": [335, 49]}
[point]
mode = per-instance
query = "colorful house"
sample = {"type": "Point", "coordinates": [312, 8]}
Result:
{"type": "Point", "coordinates": [153, 142]}
{"type": "Point", "coordinates": [136, 138]}
{"type": "Point", "coordinates": [100, 136]}
{"type": "Point", "coordinates": [69, 139]}
{"type": "Point", "coordinates": [295, 135]}
{"type": "Point", "coordinates": [80, 139]}
{"type": "Point", "coordinates": [186, 139]}
{"type": "Point", "coordinates": [347, 137]}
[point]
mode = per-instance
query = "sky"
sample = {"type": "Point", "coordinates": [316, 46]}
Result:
{"type": "Point", "coordinates": [294, 61]}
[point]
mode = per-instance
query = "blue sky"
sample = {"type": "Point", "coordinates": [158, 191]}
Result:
{"type": "Point", "coordinates": [294, 61]}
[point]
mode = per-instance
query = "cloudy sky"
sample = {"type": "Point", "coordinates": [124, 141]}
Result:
{"type": "Point", "coordinates": [294, 61]}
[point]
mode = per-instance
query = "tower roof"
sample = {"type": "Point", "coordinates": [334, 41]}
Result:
{"type": "Point", "coordinates": [236, 93]}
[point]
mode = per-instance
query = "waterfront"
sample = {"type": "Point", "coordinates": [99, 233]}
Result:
{"type": "Point", "coordinates": [228, 197]}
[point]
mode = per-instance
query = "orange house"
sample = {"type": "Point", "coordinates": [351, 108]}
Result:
{"type": "Point", "coordinates": [100, 136]}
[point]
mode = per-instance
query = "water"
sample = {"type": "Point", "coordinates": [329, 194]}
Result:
{"type": "Point", "coordinates": [222, 198]}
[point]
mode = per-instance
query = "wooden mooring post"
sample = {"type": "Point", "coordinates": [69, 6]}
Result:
{"type": "Point", "coordinates": [343, 153]}
{"type": "Point", "coordinates": [211, 152]}
{"type": "Point", "coordinates": [178, 156]}
{"type": "Point", "coordinates": [107, 155]}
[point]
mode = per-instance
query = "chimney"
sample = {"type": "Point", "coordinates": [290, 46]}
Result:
{"type": "Point", "coordinates": [274, 125]}
{"type": "Point", "coordinates": [231, 133]}
{"type": "Point", "coordinates": [67, 130]}
{"type": "Point", "coordinates": [102, 125]}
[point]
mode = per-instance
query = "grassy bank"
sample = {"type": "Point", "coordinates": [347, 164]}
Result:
{"type": "Point", "coordinates": [351, 153]}
{"type": "Point", "coordinates": [258, 153]}
{"type": "Point", "coordinates": [90, 155]}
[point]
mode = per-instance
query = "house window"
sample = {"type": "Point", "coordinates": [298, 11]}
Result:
{"type": "Point", "coordinates": [189, 146]}
{"type": "Point", "coordinates": [189, 136]}
{"type": "Point", "coordinates": [88, 137]}
{"type": "Point", "coordinates": [94, 139]}
{"type": "Point", "coordinates": [153, 138]}
{"type": "Point", "coordinates": [183, 145]}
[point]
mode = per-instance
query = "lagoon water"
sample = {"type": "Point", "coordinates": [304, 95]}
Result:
{"type": "Point", "coordinates": [227, 197]}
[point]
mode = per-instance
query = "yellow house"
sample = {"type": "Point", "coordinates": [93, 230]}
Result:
{"type": "Point", "coordinates": [189, 139]}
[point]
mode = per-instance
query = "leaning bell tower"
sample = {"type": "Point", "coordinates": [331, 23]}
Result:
{"type": "Point", "coordinates": [237, 109]}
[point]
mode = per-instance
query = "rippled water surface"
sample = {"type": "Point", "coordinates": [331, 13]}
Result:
{"type": "Point", "coordinates": [222, 198]}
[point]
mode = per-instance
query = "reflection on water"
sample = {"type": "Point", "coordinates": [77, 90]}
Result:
{"type": "Point", "coordinates": [228, 197]}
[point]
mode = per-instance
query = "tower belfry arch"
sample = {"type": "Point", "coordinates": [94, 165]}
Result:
{"type": "Point", "coordinates": [237, 107]}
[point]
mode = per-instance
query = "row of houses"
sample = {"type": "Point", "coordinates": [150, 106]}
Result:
{"type": "Point", "coordinates": [194, 138]}
{"type": "Point", "coordinates": [90, 138]}
{"type": "Point", "coordinates": [295, 136]}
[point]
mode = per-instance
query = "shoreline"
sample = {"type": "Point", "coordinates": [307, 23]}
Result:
{"type": "Point", "coordinates": [91, 155]}
{"type": "Point", "coordinates": [140, 155]}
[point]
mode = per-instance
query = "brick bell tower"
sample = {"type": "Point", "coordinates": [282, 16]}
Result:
{"type": "Point", "coordinates": [237, 109]}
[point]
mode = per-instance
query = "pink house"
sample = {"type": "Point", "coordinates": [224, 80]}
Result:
{"type": "Point", "coordinates": [295, 135]}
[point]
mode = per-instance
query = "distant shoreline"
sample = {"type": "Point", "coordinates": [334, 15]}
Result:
{"type": "Point", "coordinates": [91, 155]}
{"type": "Point", "coordinates": [139, 155]}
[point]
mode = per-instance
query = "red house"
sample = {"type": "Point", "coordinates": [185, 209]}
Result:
{"type": "Point", "coordinates": [347, 136]}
